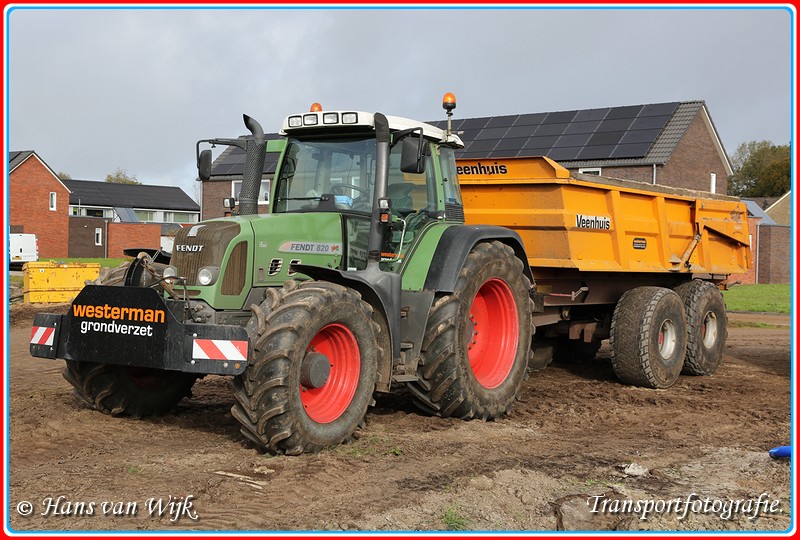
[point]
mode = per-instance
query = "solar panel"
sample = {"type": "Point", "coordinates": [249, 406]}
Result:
{"type": "Point", "coordinates": [520, 131]}
{"type": "Point", "coordinates": [605, 138]}
{"type": "Point", "coordinates": [631, 111]}
{"type": "Point", "coordinates": [474, 124]}
{"type": "Point", "coordinates": [510, 144]}
{"type": "Point", "coordinates": [620, 124]}
{"type": "Point", "coordinates": [559, 117]}
{"type": "Point", "coordinates": [631, 150]}
{"type": "Point", "coordinates": [658, 109]}
{"type": "Point", "coordinates": [590, 114]}
{"type": "Point", "coordinates": [650, 122]}
{"type": "Point", "coordinates": [582, 127]}
{"type": "Point", "coordinates": [573, 140]}
{"type": "Point", "coordinates": [550, 129]}
{"type": "Point", "coordinates": [640, 136]}
{"type": "Point", "coordinates": [596, 152]}
{"type": "Point", "coordinates": [502, 121]}
{"type": "Point", "coordinates": [564, 154]}
{"type": "Point", "coordinates": [492, 133]}
{"type": "Point", "coordinates": [530, 119]}
{"type": "Point", "coordinates": [541, 142]}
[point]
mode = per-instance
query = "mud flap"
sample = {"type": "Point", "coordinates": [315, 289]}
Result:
{"type": "Point", "coordinates": [133, 326]}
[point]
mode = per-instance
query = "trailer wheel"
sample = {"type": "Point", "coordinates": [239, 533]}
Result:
{"type": "Point", "coordinates": [121, 390]}
{"type": "Point", "coordinates": [314, 368]}
{"type": "Point", "coordinates": [706, 325]}
{"type": "Point", "coordinates": [476, 346]}
{"type": "Point", "coordinates": [648, 337]}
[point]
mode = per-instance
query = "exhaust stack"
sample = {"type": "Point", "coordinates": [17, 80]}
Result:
{"type": "Point", "coordinates": [253, 168]}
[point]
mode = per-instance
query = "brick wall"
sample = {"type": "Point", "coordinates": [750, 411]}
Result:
{"type": "Point", "coordinates": [117, 236]}
{"type": "Point", "coordinates": [132, 235]}
{"type": "Point", "coordinates": [775, 256]}
{"type": "Point", "coordinates": [750, 277]}
{"type": "Point", "coordinates": [82, 239]}
{"type": "Point", "coordinates": [29, 188]}
{"type": "Point", "coordinates": [694, 159]}
{"type": "Point", "coordinates": [213, 193]}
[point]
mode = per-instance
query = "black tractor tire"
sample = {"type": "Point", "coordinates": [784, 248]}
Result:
{"type": "Point", "coordinates": [648, 337]}
{"type": "Point", "coordinates": [474, 354]}
{"type": "Point", "coordinates": [278, 408]}
{"type": "Point", "coordinates": [706, 325]}
{"type": "Point", "coordinates": [128, 391]}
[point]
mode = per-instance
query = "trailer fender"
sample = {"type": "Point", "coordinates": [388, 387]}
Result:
{"type": "Point", "coordinates": [457, 242]}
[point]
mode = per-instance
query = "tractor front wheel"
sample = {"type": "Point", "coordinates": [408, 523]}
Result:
{"type": "Point", "coordinates": [122, 390]}
{"type": "Point", "coordinates": [314, 368]}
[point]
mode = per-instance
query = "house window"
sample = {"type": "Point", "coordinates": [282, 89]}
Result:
{"type": "Point", "coordinates": [52, 200]}
{"type": "Point", "coordinates": [263, 194]}
{"type": "Point", "coordinates": [179, 217]}
{"type": "Point", "coordinates": [98, 236]}
{"type": "Point", "coordinates": [593, 171]}
{"type": "Point", "coordinates": [145, 215]}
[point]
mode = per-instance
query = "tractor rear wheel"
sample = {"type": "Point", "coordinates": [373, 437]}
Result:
{"type": "Point", "coordinates": [314, 368]}
{"type": "Point", "coordinates": [476, 346]}
{"type": "Point", "coordinates": [706, 324]}
{"type": "Point", "coordinates": [648, 337]}
{"type": "Point", "coordinates": [122, 390]}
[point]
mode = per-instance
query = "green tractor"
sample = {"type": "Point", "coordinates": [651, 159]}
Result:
{"type": "Point", "coordinates": [362, 278]}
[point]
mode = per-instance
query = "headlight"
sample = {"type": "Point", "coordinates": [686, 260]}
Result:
{"type": "Point", "coordinates": [170, 271]}
{"type": "Point", "coordinates": [207, 275]}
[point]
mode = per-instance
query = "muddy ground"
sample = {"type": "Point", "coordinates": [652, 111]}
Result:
{"type": "Point", "coordinates": [578, 443]}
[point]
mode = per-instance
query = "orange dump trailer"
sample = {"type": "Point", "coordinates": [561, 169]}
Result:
{"type": "Point", "coordinates": [616, 259]}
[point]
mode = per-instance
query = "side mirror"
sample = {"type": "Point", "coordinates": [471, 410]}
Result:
{"type": "Point", "coordinates": [412, 158]}
{"type": "Point", "coordinates": [229, 202]}
{"type": "Point", "coordinates": [204, 165]}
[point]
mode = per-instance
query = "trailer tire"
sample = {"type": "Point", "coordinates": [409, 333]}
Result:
{"type": "Point", "coordinates": [648, 337]}
{"type": "Point", "coordinates": [466, 373]}
{"type": "Point", "coordinates": [127, 391]}
{"type": "Point", "coordinates": [296, 332]}
{"type": "Point", "coordinates": [706, 325]}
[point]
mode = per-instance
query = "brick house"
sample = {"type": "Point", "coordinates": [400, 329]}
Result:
{"type": "Point", "coordinates": [38, 203]}
{"type": "Point", "coordinates": [770, 245]}
{"type": "Point", "coordinates": [107, 217]}
{"type": "Point", "coordinates": [673, 144]}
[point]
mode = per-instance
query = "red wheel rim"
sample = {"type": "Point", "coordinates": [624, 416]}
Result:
{"type": "Point", "coordinates": [492, 344]}
{"type": "Point", "coordinates": [331, 400]}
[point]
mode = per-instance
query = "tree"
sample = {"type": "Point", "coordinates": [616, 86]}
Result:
{"type": "Point", "coordinates": [63, 176]}
{"type": "Point", "coordinates": [760, 169]}
{"type": "Point", "coordinates": [121, 176]}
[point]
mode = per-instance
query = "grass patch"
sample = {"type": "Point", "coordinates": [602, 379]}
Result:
{"type": "Point", "coordinates": [104, 262]}
{"type": "Point", "coordinates": [772, 298]}
{"type": "Point", "coordinates": [453, 519]}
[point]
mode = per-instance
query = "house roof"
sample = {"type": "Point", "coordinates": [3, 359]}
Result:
{"type": "Point", "coordinates": [109, 194]}
{"type": "Point", "coordinates": [613, 136]}
{"type": "Point", "coordinates": [755, 210]}
{"type": "Point", "coordinates": [18, 157]}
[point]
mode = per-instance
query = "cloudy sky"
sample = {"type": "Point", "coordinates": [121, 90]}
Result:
{"type": "Point", "coordinates": [93, 90]}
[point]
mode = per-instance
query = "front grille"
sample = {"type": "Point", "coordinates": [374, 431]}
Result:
{"type": "Point", "coordinates": [236, 270]}
{"type": "Point", "coordinates": [201, 245]}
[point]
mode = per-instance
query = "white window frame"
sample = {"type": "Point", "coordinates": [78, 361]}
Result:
{"type": "Point", "coordinates": [98, 236]}
{"type": "Point", "coordinates": [53, 196]}
{"type": "Point", "coordinates": [264, 189]}
{"type": "Point", "coordinates": [597, 171]}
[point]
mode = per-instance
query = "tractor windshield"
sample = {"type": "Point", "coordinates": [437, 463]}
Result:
{"type": "Point", "coordinates": [339, 175]}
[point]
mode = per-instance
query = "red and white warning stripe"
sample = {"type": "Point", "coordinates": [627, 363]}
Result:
{"type": "Point", "coordinates": [42, 335]}
{"type": "Point", "coordinates": [219, 349]}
